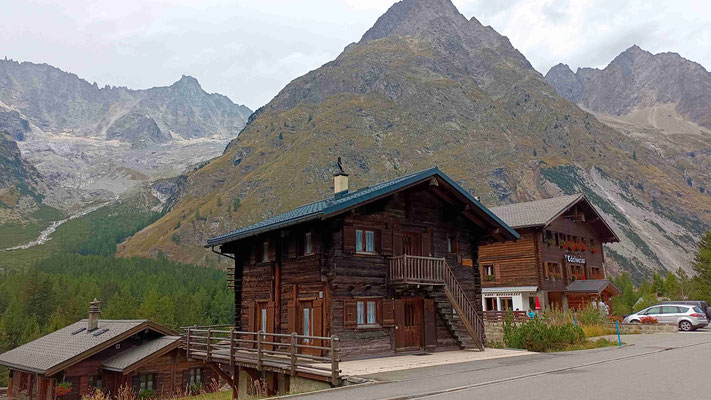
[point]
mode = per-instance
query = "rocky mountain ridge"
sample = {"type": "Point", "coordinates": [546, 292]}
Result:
{"type": "Point", "coordinates": [423, 87]}
{"type": "Point", "coordinates": [58, 102]}
{"type": "Point", "coordinates": [639, 79]}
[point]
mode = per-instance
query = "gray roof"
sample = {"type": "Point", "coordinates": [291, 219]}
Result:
{"type": "Point", "coordinates": [535, 213]}
{"type": "Point", "coordinates": [334, 205]}
{"type": "Point", "coordinates": [590, 286]}
{"type": "Point", "coordinates": [50, 351]}
{"type": "Point", "coordinates": [128, 358]}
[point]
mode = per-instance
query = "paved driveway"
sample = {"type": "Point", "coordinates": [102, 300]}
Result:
{"type": "Point", "coordinates": [661, 366]}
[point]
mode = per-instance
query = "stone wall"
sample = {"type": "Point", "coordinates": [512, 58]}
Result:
{"type": "Point", "coordinates": [494, 332]}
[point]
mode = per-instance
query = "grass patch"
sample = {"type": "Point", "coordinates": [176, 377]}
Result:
{"type": "Point", "coordinates": [598, 330]}
{"type": "Point", "coordinates": [14, 234]}
{"type": "Point", "coordinates": [220, 395]}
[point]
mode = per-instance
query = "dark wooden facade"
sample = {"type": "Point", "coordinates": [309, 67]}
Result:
{"type": "Point", "coordinates": [549, 257]}
{"type": "Point", "coordinates": [333, 272]}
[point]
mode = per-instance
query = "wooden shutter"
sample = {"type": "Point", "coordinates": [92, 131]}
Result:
{"type": "Point", "coordinates": [350, 313]}
{"type": "Point", "coordinates": [291, 314]}
{"type": "Point", "coordinates": [427, 243]}
{"type": "Point", "coordinates": [318, 324]}
{"type": "Point", "coordinates": [388, 313]}
{"type": "Point", "coordinates": [315, 242]}
{"type": "Point", "coordinates": [386, 242]}
{"type": "Point", "coordinates": [430, 324]}
{"type": "Point", "coordinates": [270, 324]}
{"type": "Point", "coordinates": [497, 272]}
{"type": "Point", "coordinates": [251, 323]}
{"type": "Point", "coordinates": [349, 239]}
{"type": "Point", "coordinates": [397, 241]}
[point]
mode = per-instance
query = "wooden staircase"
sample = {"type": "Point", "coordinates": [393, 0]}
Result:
{"type": "Point", "coordinates": [442, 285]}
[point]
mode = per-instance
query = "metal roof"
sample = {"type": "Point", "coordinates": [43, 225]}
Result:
{"type": "Point", "coordinates": [334, 205]}
{"type": "Point", "coordinates": [51, 350]}
{"type": "Point", "coordinates": [590, 286]}
{"type": "Point", "coordinates": [510, 289]}
{"type": "Point", "coordinates": [134, 355]}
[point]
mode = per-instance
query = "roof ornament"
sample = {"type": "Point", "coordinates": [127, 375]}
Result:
{"type": "Point", "coordinates": [340, 171]}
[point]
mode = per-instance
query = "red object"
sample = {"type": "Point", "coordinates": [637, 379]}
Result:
{"type": "Point", "coordinates": [538, 303]}
{"type": "Point", "coordinates": [696, 315]}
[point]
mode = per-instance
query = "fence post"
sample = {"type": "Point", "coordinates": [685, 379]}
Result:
{"type": "Point", "coordinates": [209, 334]}
{"type": "Point", "coordinates": [619, 341]}
{"type": "Point", "coordinates": [232, 348]}
{"type": "Point", "coordinates": [259, 350]}
{"type": "Point", "coordinates": [292, 351]}
{"type": "Point", "coordinates": [334, 361]}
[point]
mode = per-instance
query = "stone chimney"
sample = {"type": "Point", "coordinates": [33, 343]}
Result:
{"type": "Point", "coordinates": [94, 315]}
{"type": "Point", "coordinates": [340, 181]}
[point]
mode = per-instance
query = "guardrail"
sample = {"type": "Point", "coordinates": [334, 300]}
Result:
{"type": "Point", "coordinates": [416, 269]}
{"type": "Point", "coordinates": [287, 353]}
{"type": "Point", "coordinates": [500, 316]}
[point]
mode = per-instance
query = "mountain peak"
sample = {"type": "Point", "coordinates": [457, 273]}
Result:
{"type": "Point", "coordinates": [187, 81]}
{"type": "Point", "coordinates": [409, 17]}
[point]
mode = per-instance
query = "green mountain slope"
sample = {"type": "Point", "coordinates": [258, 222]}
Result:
{"type": "Point", "coordinates": [423, 87]}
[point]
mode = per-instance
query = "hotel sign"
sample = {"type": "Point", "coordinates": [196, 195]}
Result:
{"type": "Point", "coordinates": [573, 259]}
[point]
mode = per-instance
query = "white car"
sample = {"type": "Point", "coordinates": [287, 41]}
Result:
{"type": "Point", "coordinates": [687, 317]}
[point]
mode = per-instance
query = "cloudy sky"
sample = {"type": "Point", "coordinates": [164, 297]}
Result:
{"type": "Point", "coordinates": [249, 49]}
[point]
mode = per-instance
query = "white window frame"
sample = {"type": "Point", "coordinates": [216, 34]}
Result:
{"type": "Point", "coordinates": [367, 313]}
{"type": "Point", "coordinates": [265, 251]}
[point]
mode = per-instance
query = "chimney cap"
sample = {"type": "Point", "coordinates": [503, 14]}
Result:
{"type": "Point", "coordinates": [340, 171]}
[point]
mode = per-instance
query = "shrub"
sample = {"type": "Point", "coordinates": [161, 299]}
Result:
{"type": "Point", "coordinates": [63, 388]}
{"type": "Point", "coordinates": [538, 335]}
{"type": "Point", "coordinates": [175, 238]}
{"type": "Point", "coordinates": [236, 203]}
{"type": "Point", "coordinates": [648, 320]}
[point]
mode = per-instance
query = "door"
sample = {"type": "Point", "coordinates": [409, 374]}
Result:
{"type": "Point", "coordinates": [412, 243]}
{"type": "Point", "coordinates": [408, 324]}
{"type": "Point", "coordinates": [669, 315]}
{"type": "Point", "coordinates": [507, 304]}
{"type": "Point", "coordinates": [310, 323]}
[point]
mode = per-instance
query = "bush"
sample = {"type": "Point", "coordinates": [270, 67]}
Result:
{"type": "Point", "coordinates": [236, 203]}
{"type": "Point", "coordinates": [538, 335]}
{"type": "Point", "coordinates": [648, 320]}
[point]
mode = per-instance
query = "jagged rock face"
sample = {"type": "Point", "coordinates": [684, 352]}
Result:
{"type": "Point", "coordinates": [137, 128]}
{"type": "Point", "coordinates": [637, 78]}
{"type": "Point", "coordinates": [424, 87]}
{"type": "Point", "coordinates": [60, 102]}
{"type": "Point", "coordinates": [12, 123]}
{"type": "Point", "coordinates": [12, 169]}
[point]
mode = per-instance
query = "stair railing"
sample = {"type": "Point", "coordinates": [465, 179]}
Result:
{"type": "Point", "coordinates": [466, 310]}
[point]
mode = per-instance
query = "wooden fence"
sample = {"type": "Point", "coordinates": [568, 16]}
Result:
{"type": "Point", "coordinates": [313, 357]}
{"type": "Point", "coordinates": [415, 269]}
{"type": "Point", "coordinates": [500, 316]}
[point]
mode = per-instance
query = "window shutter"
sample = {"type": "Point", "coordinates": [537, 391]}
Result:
{"type": "Point", "coordinates": [349, 239]}
{"type": "Point", "coordinates": [292, 246]}
{"type": "Point", "coordinates": [291, 312]}
{"type": "Point", "coordinates": [270, 324]}
{"type": "Point", "coordinates": [497, 272]}
{"type": "Point", "coordinates": [251, 322]}
{"type": "Point", "coordinates": [315, 242]}
{"type": "Point", "coordinates": [430, 323]}
{"type": "Point", "coordinates": [350, 313]}
{"type": "Point", "coordinates": [427, 243]}
{"type": "Point", "coordinates": [318, 323]}
{"type": "Point", "coordinates": [397, 241]}
{"type": "Point", "coordinates": [386, 242]}
{"type": "Point", "coordinates": [388, 313]}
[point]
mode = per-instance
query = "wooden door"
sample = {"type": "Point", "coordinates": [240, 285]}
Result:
{"type": "Point", "coordinates": [310, 323]}
{"type": "Point", "coordinates": [408, 324]}
{"type": "Point", "coordinates": [412, 243]}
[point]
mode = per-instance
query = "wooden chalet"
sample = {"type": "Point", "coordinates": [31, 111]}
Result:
{"type": "Point", "coordinates": [386, 268]}
{"type": "Point", "coordinates": [559, 258]}
{"type": "Point", "coordinates": [103, 354]}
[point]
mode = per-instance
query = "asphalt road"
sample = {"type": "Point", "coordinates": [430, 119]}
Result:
{"type": "Point", "coordinates": [662, 366]}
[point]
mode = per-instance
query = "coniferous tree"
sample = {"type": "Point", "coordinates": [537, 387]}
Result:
{"type": "Point", "coordinates": [701, 283]}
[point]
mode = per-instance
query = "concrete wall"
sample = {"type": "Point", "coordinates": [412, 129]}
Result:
{"type": "Point", "coordinates": [249, 389]}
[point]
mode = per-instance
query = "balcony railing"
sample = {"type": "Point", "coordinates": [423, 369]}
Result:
{"type": "Point", "coordinates": [417, 270]}
{"type": "Point", "coordinates": [310, 356]}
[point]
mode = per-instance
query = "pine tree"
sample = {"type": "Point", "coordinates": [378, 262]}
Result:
{"type": "Point", "coordinates": [658, 285]}
{"type": "Point", "coordinates": [672, 286]}
{"type": "Point", "coordinates": [684, 283]}
{"type": "Point", "coordinates": [701, 283]}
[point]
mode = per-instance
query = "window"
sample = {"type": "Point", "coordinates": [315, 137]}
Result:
{"type": "Point", "coordinates": [265, 251]}
{"type": "Point", "coordinates": [147, 382]}
{"type": "Point", "coordinates": [490, 303]}
{"type": "Point", "coordinates": [653, 311]}
{"type": "Point", "coordinates": [263, 325]}
{"type": "Point", "coordinates": [307, 243]}
{"type": "Point", "coordinates": [506, 304]}
{"type": "Point", "coordinates": [307, 322]}
{"type": "Point", "coordinates": [365, 241]}
{"type": "Point", "coordinates": [367, 313]}
{"type": "Point", "coordinates": [670, 310]}
{"type": "Point", "coordinates": [553, 270]}
{"type": "Point", "coordinates": [489, 271]}
{"type": "Point", "coordinates": [95, 382]}
{"type": "Point", "coordinates": [452, 244]}
{"type": "Point", "coordinates": [449, 244]}
{"type": "Point", "coordinates": [195, 376]}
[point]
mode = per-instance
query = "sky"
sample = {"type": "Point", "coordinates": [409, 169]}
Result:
{"type": "Point", "coordinates": [250, 49]}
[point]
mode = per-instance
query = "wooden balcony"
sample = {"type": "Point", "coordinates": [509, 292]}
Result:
{"type": "Point", "coordinates": [311, 357]}
{"type": "Point", "coordinates": [417, 270]}
{"type": "Point", "coordinates": [500, 316]}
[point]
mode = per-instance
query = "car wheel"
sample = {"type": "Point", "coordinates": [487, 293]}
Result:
{"type": "Point", "coordinates": [634, 321]}
{"type": "Point", "coordinates": [685, 326]}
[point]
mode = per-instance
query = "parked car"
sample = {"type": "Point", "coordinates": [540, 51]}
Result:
{"type": "Point", "coordinates": [687, 317]}
{"type": "Point", "coordinates": [698, 303]}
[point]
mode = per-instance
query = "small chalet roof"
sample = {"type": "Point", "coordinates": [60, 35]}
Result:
{"type": "Point", "coordinates": [130, 359]}
{"type": "Point", "coordinates": [335, 205]}
{"type": "Point", "coordinates": [591, 286]}
{"type": "Point", "coordinates": [540, 213]}
{"type": "Point", "coordinates": [60, 349]}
